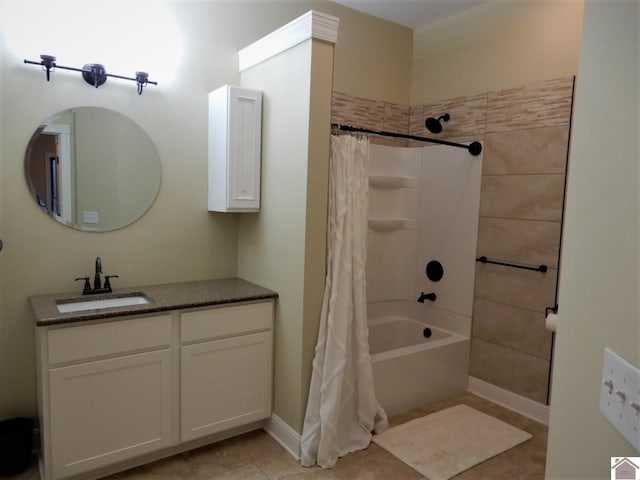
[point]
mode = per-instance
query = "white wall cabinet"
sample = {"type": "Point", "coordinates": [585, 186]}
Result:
{"type": "Point", "coordinates": [235, 123]}
{"type": "Point", "coordinates": [114, 391]}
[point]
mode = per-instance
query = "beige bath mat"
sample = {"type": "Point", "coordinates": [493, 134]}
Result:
{"type": "Point", "coordinates": [445, 443]}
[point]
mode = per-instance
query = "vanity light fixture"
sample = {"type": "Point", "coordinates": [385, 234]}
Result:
{"type": "Point", "coordinates": [93, 73]}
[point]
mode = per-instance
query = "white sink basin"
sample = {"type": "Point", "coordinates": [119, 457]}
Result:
{"type": "Point", "coordinates": [97, 304]}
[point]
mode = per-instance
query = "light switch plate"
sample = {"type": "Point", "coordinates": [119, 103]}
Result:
{"type": "Point", "coordinates": [89, 217]}
{"type": "Point", "coordinates": [620, 396]}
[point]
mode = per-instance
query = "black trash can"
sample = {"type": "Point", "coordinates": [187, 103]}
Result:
{"type": "Point", "coordinates": [15, 445]}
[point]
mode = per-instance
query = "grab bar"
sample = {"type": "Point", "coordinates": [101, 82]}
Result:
{"type": "Point", "coordinates": [541, 268]}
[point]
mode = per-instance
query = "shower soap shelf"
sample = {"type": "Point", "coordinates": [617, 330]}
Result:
{"type": "Point", "coordinates": [388, 182]}
{"type": "Point", "coordinates": [392, 224]}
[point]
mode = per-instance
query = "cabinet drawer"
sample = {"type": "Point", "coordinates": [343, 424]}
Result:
{"type": "Point", "coordinates": [115, 337]}
{"type": "Point", "coordinates": [226, 321]}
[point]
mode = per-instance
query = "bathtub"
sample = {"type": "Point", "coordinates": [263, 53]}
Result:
{"type": "Point", "coordinates": [410, 370]}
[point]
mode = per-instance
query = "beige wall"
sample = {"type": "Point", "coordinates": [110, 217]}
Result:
{"type": "Point", "coordinates": [598, 294]}
{"type": "Point", "coordinates": [272, 243]}
{"type": "Point", "coordinates": [316, 210]}
{"type": "Point", "coordinates": [178, 239]}
{"type": "Point", "coordinates": [372, 57]}
{"type": "Point", "coordinates": [273, 246]}
{"type": "Point", "coordinates": [501, 44]}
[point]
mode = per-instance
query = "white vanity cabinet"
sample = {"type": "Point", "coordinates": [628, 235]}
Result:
{"type": "Point", "coordinates": [105, 392]}
{"type": "Point", "coordinates": [235, 123]}
{"type": "Point", "coordinates": [121, 391]}
{"type": "Point", "coordinates": [226, 368]}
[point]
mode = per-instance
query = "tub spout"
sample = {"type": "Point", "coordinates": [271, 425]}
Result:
{"type": "Point", "coordinates": [427, 296]}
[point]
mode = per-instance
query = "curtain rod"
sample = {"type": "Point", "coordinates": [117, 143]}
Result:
{"type": "Point", "coordinates": [474, 148]}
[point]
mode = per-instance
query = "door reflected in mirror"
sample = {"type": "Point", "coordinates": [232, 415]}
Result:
{"type": "Point", "coordinates": [92, 169]}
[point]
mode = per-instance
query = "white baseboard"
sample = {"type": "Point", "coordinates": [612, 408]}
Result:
{"type": "Point", "coordinates": [284, 435]}
{"type": "Point", "coordinates": [519, 404]}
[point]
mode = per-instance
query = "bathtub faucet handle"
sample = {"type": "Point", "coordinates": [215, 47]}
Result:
{"type": "Point", "coordinates": [427, 296]}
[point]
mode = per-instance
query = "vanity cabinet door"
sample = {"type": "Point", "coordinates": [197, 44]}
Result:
{"type": "Point", "coordinates": [226, 383]}
{"type": "Point", "coordinates": [109, 410]}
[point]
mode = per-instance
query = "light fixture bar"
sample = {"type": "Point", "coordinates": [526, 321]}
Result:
{"type": "Point", "coordinates": [94, 74]}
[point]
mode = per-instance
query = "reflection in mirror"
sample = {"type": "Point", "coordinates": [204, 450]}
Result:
{"type": "Point", "coordinates": [92, 169]}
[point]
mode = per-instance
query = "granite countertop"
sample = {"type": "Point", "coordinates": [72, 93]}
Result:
{"type": "Point", "coordinates": [172, 296]}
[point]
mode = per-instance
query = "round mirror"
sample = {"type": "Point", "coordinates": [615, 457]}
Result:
{"type": "Point", "coordinates": [92, 169]}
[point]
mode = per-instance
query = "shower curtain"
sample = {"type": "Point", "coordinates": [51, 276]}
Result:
{"type": "Point", "coordinates": [342, 411]}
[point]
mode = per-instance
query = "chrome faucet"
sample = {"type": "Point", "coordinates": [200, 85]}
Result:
{"type": "Point", "coordinates": [98, 287]}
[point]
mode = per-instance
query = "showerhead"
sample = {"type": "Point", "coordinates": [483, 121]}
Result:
{"type": "Point", "coordinates": [434, 125]}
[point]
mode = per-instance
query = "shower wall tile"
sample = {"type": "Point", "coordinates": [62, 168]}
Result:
{"type": "Point", "coordinates": [464, 139]}
{"type": "Point", "coordinates": [388, 141]}
{"type": "Point", "coordinates": [396, 118]}
{"type": "Point", "coordinates": [539, 105]}
{"type": "Point", "coordinates": [533, 197]}
{"type": "Point", "coordinates": [517, 287]}
{"type": "Point", "coordinates": [530, 242]}
{"type": "Point", "coordinates": [340, 107]}
{"type": "Point", "coordinates": [416, 124]}
{"type": "Point", "coordinates": [531, 151]}
{"type": "Point", "coordinates": [366, 113]}
{"type": "Point", "coordinates": [512, 327]}
{"type": "Point", "coordinates": [468, 116]}
{"type": "Point", "coordinates": [357, 111]}
{"type": "Point", "coordinates": [515, 371]}
{"type": "Point", "coordinates": [416, 120]}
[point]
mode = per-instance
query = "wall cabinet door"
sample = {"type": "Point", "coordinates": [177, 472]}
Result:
{"type": "Point", "coordinates": [235, 121]}
{"type": "Point", "coordinates": [225, 383]}
{"type": "Point", "coordinates": [109, 410]}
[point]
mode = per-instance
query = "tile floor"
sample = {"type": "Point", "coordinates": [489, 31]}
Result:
{"type": "Point", "coordinates": [256, 456]}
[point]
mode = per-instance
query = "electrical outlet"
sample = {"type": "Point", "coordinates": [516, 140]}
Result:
{"type": "Point", "coordinates": [620, 396]}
